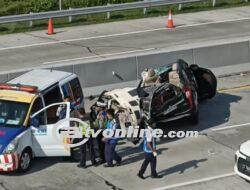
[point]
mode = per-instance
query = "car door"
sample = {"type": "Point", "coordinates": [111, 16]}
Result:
{"type": "Point", "coordinates": [45, 141]}
{"type": "Point", "coordinates": [206, 82]}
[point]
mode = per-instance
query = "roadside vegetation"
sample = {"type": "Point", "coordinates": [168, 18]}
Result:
{"type": "Point", "coordinates": [14, 7]}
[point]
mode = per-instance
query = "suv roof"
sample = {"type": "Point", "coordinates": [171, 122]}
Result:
{"type": "Point", "coordinates": [42, 78]}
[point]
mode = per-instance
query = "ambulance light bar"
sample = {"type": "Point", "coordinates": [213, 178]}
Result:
{"type": "Point", "coordinates": [18, 87]}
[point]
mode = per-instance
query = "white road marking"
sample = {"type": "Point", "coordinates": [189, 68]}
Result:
{"type": "Point", "coordinates": [215, 22]}
{"type": "Point", "coordinates": [80, 39]}
{"type": "Point", "coordinates": [196, 181]}
{"type": "Point", "coordinates": [97, 56]}
{"type": "Point", "coordinates": [119, 34]}
{"type": "Point", "coordinates": [230, 127]}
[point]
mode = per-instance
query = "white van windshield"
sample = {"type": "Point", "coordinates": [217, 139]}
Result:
{"type": "Point", "coordinates": [12, 114]}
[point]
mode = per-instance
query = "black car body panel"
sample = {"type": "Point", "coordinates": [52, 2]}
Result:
{"type": "Point", "coordinates": [165, 101]}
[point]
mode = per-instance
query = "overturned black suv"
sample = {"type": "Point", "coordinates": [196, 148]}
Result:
{"type": "Point", "coordinates": [174, 91]}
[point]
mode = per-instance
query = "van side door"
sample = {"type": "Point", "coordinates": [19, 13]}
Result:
{"type": "Point", "coordinates": [45, 140]}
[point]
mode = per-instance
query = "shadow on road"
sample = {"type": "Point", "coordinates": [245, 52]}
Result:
{"type": "Point", "coordinates": [181, 168]}
{"type": "Point", "coordinates": [39, 164]}
{"type": "Point", "coordinates": [212, 113]}
{"type": "Point", "coordinates": [136, 154]}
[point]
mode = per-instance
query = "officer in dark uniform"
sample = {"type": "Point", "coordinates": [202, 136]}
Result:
{"type": "Point", "coordinates": [89, 144]}
{"type": "Point", "coordinates": [149, 148]}
{"type": "Point", "coordinates": [98, 118]}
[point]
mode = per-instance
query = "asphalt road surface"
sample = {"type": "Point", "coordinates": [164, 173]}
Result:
{"type": "Point", "coordinates": [34, 49]}
{"type": "Point", "coordinates": [205, 162]}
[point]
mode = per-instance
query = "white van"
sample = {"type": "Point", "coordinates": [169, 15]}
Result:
{"type": "Point", "coordinates": [38, 91]}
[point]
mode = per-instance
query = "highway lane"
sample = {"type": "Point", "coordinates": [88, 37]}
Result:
{"type": "Point", "coordinates": [205, 162]}
{"type": "Point", "coordinates": [52, 54]}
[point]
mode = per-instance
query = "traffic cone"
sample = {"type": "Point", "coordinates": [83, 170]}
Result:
{"type": "Point", "coordinates": [170, 20]}
{"type": "Point", "coordinates": [50, 27]}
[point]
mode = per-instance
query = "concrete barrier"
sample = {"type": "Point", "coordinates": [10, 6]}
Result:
{"type": "Point", "coordinates": [96, 76]}
{"type": "Point", "coordinates": [161, 59]}
{"type": "Point", "coordinates": [222, 55]}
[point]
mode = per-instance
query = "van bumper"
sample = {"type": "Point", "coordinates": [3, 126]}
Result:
{"type": "Point", "coordinates": [9, 162]}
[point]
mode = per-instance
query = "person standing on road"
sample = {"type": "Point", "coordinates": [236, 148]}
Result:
{"type": "Point", "coordinates": [98, 119]}
{"type": "Point", "coordinates": [61, 110]}
{"type": "Point", "coordinates": [101, 121]}
{"type": "Point", "coordinates": [89, 144]}
{"type": "Point", "coordinates": [110, 143]}
{"type": "Point", "coordinates": [149, 148]}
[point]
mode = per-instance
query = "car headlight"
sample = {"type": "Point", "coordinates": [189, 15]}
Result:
{"type": "Point", "coordinates": [12, 147]}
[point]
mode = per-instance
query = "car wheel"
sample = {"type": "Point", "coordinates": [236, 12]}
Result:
{"type": "Point", "coordinates": [194, 118]}
{"type": "Point", "coordinates": [25, 161]}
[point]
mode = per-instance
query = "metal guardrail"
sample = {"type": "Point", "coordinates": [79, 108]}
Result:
{"type": "Point", "coordinates": [91, 10]}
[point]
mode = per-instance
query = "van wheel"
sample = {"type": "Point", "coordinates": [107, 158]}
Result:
{"type": "Point", "coordinates": [75, 155]}
{"type": "Point", "coordinates": [25, 161]}
{"type": "Point", "coordinates": [75, 152]}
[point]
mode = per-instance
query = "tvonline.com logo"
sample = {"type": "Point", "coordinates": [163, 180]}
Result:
{"type": "Point", "coordinates": [64, 130]}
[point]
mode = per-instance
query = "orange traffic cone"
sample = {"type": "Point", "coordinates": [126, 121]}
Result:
{"type": "Point", "coordinates": [50, 27]}
{"type": "Point", "coordinates": [170, 20]}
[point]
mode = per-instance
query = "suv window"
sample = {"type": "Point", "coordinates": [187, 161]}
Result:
{"type": "Point", "coordinates": [167, 95]}
{"type": "Point", "coordinates": [76, 89]}
{"type": "Point", "coordinates": [53, 96]}
{"type": "Point", "coordinates": [162, 97]}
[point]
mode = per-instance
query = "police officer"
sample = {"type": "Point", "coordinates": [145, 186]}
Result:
{"type": "Point", "coordinates": [100, 123]}
{"type": "Point", "coordinates": [89, 144]}
{"type": "Point", "coordinates": [61, 110]}
{"type": "Point", "coordinates": [149, 148]}
{"type": "Point", "coordinates": [110, 143]}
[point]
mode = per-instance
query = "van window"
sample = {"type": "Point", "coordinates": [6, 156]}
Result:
{"type": "Point", "coordinates": [52, 117]}
{"type": "Point", "coordinates": [38, 105]}
{"type": "Point", "coordinates": [48, 116]}
{"type": "Point", "coordinates": [53, 96]}
{"type": "Point", "coordinates": [67, 92]}
{"type": "Point", "coordinates": [76, 89]}
{"type": "Point", "coordinates": [12, 114]}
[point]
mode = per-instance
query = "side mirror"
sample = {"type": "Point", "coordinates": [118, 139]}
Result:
{"type": "Point", "coordinates": [194, 67]}
{"type": "Point", "coordinates": [35, 122]}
